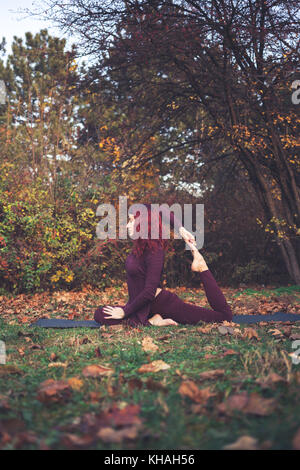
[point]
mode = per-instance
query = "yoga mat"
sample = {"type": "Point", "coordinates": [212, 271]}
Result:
{"type": "Point", "coordinates": [61, 323]}
{"type": "Point", "coordinates": [278, 316]}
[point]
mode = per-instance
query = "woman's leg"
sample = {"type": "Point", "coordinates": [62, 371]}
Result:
{"type": "Point", "coordinates": [169, 305]}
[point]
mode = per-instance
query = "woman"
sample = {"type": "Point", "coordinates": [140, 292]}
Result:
{"type": "Point", "coordinates": [150, 304]}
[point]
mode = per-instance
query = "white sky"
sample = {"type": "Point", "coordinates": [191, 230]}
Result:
{"type": "Point", "coordinates": [15, 22]}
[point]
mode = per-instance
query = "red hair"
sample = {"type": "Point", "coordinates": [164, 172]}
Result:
{"type": "Point", "coordinates": [142, 244]}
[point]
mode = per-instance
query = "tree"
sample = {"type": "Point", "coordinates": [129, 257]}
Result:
{"type": "Point", "coordinates": [233, 60]}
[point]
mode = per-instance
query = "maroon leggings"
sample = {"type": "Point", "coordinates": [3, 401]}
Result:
{"type": "Point", "coordinates": [169, 305]}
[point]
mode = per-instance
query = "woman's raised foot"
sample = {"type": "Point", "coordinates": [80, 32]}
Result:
{"type": "Point", "coordinates": [198, 264]}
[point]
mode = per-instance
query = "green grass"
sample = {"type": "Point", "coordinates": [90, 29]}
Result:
{"type": "Point", "coordinates": [270, 292]}
{"type": "Point", "coordinates": [174, 427]}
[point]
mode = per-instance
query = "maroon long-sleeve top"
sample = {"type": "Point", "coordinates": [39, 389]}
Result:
{"type": "Point", "coordinates": [144, 276]}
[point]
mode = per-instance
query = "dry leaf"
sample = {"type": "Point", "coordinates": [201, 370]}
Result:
{"type": "Point", "coordinates": [225, 330]}
{"type": "Point", "coordinates": [189, 389]}
{"type": "Point", "coordinates": [233, 403]}
{"type": "Point", "coordinates": [75, 383]}
{"type": "Point", "coordinates": [205, 329]}
{"type": "Point", "coordinates": [249, 333]}
{"type": "Point", "coordinates": [163, 404]}
{"type": "Point", "coordinates": [252, 404]}
{"type": "Point", "coordinates": [268, 381]}
{"type": "Point", "coordinates": [9, 369]}
{"type": "Point", "coordinates": [211, 374]}
{"type": "Point", "coordinates": [111, 435]}
{"type": "Point", "coordinates": [57, 364]}
{"type": "Point", "coordinates": [275, 332]}
{"type": "Point", "coordinates": [148, 345]}
{"type": "Point", "coordinates": [154, 366]}
{"type": "Point", "coordinates": [21, 352]}
{"type": "Point", "coordinates": [243, 443]}
{"type": "Point", "coordinates": [259, 406]}
{"type": "Point", "coordinates": [52, 391]}
{"type": "Point", "coordinates": [296, 440]}
{"type": "Point", "coordinates": [95, 370]}
{"type": "Point", "coordinates": [71, 440]}
{"type": "Point", "coordinates": [229, 352]}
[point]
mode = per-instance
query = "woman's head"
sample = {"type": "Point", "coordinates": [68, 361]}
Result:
{"type": "Point", "coordinates": [146, 224]}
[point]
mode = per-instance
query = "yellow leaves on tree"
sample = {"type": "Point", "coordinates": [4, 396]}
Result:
{"type": "Point", "coordinates": [130, 174]}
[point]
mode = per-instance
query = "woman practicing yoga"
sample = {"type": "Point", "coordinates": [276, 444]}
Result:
{"type": "Point", "coordinates": [150, 304]}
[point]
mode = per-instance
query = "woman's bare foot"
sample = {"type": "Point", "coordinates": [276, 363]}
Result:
{"type": "Point", "coordinates": [157, 320]}
{"type": "Point", "coordinates": [198, 263]}
{"type": "Point", "coordinates": [187, 236]}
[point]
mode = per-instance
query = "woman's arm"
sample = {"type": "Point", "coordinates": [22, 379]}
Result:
{"type": "Point", "coordinates": [154, 265]}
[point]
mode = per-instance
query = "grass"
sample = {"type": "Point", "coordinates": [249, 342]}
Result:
{"type": "Point", "coordinates": [170, 420]}
{"type": "Point", "coordinates": [270, 292]}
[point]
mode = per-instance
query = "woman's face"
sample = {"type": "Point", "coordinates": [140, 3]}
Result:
{"type": "Point", "coordinates": [130, 225]}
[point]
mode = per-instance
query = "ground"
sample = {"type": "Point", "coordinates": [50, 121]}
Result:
{"type": "Point", "coordinates": [207, 386]}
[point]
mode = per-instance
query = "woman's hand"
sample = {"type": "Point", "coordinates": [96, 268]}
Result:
{"type": "Point", "coordinates": [114, 313]}
{"type": "Point", "coordinates": [187, 236]}
{"type": "Point", "coordinates": [157, 320]}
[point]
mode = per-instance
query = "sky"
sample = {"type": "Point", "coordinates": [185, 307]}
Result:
{"type": "Point", "coordinates": [15, 22]}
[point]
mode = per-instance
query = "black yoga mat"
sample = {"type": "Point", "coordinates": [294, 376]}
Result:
{"type": "Point", "coordinates": [61, 323]}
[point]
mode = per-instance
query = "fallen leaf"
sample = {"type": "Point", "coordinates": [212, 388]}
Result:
{"type": "Point", "coordinates": [249, 333]}
{"type": "Point", "coordinates": [258, 405]}
{"type": "Point", "coordinates": [211, 374]}
{"type": "Point", "coordinates": [164, 338]}
{"type": "Point", "coordinates": [154, 366]}
{"type": "Point", "coordinates": [8, 369]}
{"type": "Point", "coordinates": [269, 380]}
{"type": "Point", "coordinates": [134, 383]}
{"type": "Point", "coordinates": [222, 330]}
{"type": "Point", "coordinates": [229, 352]}
{"type": "Point", "coordinates": [294, 336]}
{"type": "Point", "coordinates": [243, 443]}
{"type": "Point", "coordinates": [75, 383]}
{"type": "Point", "coordinates": [98, 352]}
{"type": "Point", "coordinates": [95, 397]}
{"type": "Point", "coordinates": [116, 327]}
{"type": "Point", "coordinates": [163, 404]}
{"type": "Point", "coordinates": [112, 435]}
{"type": "Point", "coordinates": [52, 391]}
{"type": "Point", "coordinates": [4, 405]}
{"type": "Point", "coordinates": [225, 330]}
{"type": "Point", "coordinates": [148, 345]}
{"type": "Point", "coordinates": [296, 440]}
{"type": "Point", "coordinates": [204, 329]}
{"type": "Point", "coordinates": [85, 340]}
{"type": "Point", "coordinates": [21, 351]}
{"type": "Point", "coordinates": [95, 370]}
{"type": "Point", "coordinates": [252, 404]}
{"type": "Point", "coordinates": [25, 437]}
{"type": "Point", "coordinates": [275, 332]}
{"type": "Point", "coordinates": [57, 364]}
{"type": "Point", "coordinates": [71, 440]}
{"type": "Point", "coordinates": [189, 389]}
{"type": "Point", "coordinates": [233, 403]}
{"type": "Point", "coordinates": [154, 385]}
{"type": "Point", "coordinates": [53, 357]}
